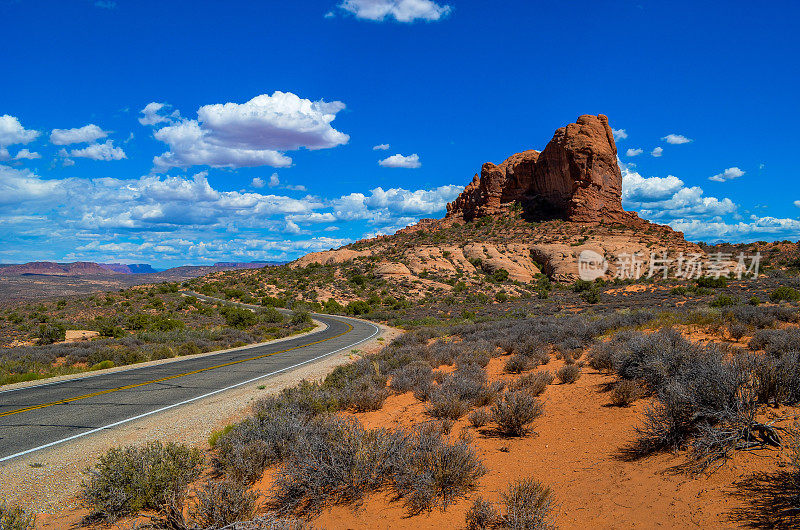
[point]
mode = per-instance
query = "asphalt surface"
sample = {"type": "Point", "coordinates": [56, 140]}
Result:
{"type": "Point", "coordinates": [40, 416]}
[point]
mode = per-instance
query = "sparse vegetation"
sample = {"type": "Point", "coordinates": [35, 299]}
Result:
{"type": "Point", "coordinates": [15, 518]}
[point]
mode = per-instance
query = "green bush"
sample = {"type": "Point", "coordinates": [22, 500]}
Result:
{"type": "Point", "coordinates": [50, 333]}
{"type": "Point", "coordinates": [237, 317]}
{"type": "Point", "coordinates": [357, 307]}
{"type": "Point", "coordinates": [271, 316]}
{"type": "Point", "coordinates": [15, 518]}
{"type": "Point", "coordinates": [300, 318]}
{"type": "Point", "coordinates": [500, 275]}
{"type": "Point", "coordinates": [130, 479]}
{"type": "Point", "coordinates": [785, 293]}
{"type": "Point", "coordinates": [723, 300]}
{"type": "Point", "coordinates": [102, 365]}
{"type": "Point", "coordinates": [711, 282]}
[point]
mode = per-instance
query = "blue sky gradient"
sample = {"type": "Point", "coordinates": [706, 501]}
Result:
{"type": "Point", "coordinates": [454, 82]}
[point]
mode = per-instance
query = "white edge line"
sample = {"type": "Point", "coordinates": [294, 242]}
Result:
{"type": "Point", "coordinates": [162, 409]}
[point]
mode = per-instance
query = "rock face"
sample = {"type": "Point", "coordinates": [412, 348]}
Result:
{"type": "Point", "coordinates": [575, 178]}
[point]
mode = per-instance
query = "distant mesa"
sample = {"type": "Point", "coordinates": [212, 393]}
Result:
{"type": "Point", "coordinates": [87, 268]}
{"type": "Point", "coordinates": [576, 178]}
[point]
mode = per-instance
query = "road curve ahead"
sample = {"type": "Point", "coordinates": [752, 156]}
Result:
{"type": "Point", "coordinates": [44, 415]}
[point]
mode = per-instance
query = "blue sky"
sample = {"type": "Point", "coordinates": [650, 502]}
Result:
{"type": "Point", "coordinates": [193, 132]}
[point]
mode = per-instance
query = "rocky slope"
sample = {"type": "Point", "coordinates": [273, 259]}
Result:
{"type": "Point", "coordinates": [556, 203]}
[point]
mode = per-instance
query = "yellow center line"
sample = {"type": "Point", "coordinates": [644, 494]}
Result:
{"type": "Point", "coordinates": [136, 385]}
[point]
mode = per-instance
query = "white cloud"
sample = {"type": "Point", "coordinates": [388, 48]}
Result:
{"type": "Point", "coordinates": [105, 151]}
{"type": "Point", "coordinates": [619, 134]}
{"type": "Point", "coordinates": [398, 160]}
{"type": "Point", "coordinates": [258, 182]}
{"type": "Point", "coordinates": [676, 139]}
{"type": "Point", "coordinates": [796, 203]}
{"type": "Point", "coordinates": [25, 154]}
{"type": "Point", "coordinates": [295, 187]}
{"type": "Point", "coordinates": [395, 204]}
{"type": "Point", "coordinates": [633, 152]}
{"type": "Point", "coordinates": [12, 132]}
{"type": "Point", "coordinates": [274, 180]}
{"type": "Point", "coordinates": [151, 114]}
{"type": "Point", "coordinates": [19, 186]}
{"type": "Point", "coordinates": [381, 147]}
{"type": "Point", "coordinates": [4, 154]}
{"type": "Point", "coordinates": [668, 198]}
{"type": "Point", "coordinates": [330, 14]}
{"type": "Point", "coordinates": [758, 228]}
{"type": "Point", "coordinates": [658, 151]}
{"type": "Point", "coordinates": [86, 134]}
{"type": "Point", "coordinates": [728, 174]}
{"type": "Point", "coordinates": [400, 10]}
{"type": "Point", "coordinates": [251, 134]}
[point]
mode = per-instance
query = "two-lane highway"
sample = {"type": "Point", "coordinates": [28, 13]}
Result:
{"type": "Point", "coordinates": [43, 415]}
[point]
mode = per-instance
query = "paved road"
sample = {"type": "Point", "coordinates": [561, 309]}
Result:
{"type": "Point", "coordinates": [40, 416]}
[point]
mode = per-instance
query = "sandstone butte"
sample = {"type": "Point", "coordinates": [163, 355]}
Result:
{"type": "Point", "coordinates": [569, 195]}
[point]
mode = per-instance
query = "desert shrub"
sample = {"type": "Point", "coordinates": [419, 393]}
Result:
{"type": "Point", "coordinates": [785, 293]}
{"type": "Point", "coordinates": [130, 479]}
{"type": "Point", "coordinates": [430, 471]}
{"type": "Point", "coordinates": [15, 518]}
{"type": "Point", "coordinates": [626, 392]}
{"type": "Point", "coordinates": [270, 316]}
{"type": "Point", "coordinates": [214, 437]}
{"type": "Point", "coordinates": [300, 317]}
{"type": "Point", "coordinates": [601, 357]}
{"type": "Point", "coordinates": [102, 365]}
{"type": "Point", "coordinates": [337, 462]}
{"type": "Point", "coordinates": [528, 505]}
{"type": "Point", "coordinates": [777, 379]}
{"type": "Point", "coordinates": [591, 296]}
{"type": "Point", "coordinates": [517, 363]}
{"type": "Point", "coordinates": [50, 333]}
{"type": "Point", "coordinates": [723, 300]}
{"type": "Point", "coordinates": [535, 383]}
{"type": "Point", "coordinates": [711, 282]}
{"type": "Point", "coordinates": [363, 394]}
{"type": "Point", "coordinates": [515, 412]}
{"type": "Point", "coordinates": [479, 417]}
{"type": "Point", "coordinates": [737, 330]}
{"type": "Point", "coordinates": [481, 515]}
{"type": "Point", "coordinates": [237, 317]}
{"type": "Point", "coordinates": [262, 439]}
{"type": "Point", "coordinates": [222, 503]}
{"type": "Point", "coordinates": [417, 374]}
{"type": "Point", "coordinates": [776, 342]}
{"type": "Point", "coordinates": [188, 348]}
{"type": "Point", "coordinates": [754, 300]}
{"type": "Point", "coordinates": [357, 307]}
{"type": "Point", "coordinates": [461, 390]}
{"type": "Point", "coordinates": [568, 373]}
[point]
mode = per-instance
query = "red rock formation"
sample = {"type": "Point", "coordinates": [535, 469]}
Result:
{"type": "Point", "coordinates": [576, 178]}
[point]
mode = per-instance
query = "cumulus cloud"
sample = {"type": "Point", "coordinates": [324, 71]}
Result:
{"type": "Point", "coordinates": [381, 147]}
{"type": "Point", "coordinates": [728, 174]}
{"type": "Point", "coordinates": [619, 134]}
{"type": "Point", "coordinates": [106, 152]}
{"type": "Point", "coordinates": [274, 180]}
{"type": "Point", "coordinates": [658, 151]}
{"type": "Point", "coordinates": [797, 203]}
{"type": "Point", "coordinates": [401, 10]}
{"type": "Point", "coordinates": [633, 152]}
{"type": "Point", "coordinates": [295, 187]}
{"type": "Point", "coordinates": [25, 154]}
{"type": "Point", "coordinates": [676, 139]}
{"type": "Point", "coordinates": [251, 134]}
{"type": "Point", "coordinates": [398, 160]}
{"type": "Point", "coordinates": [154, 113]}
{"type": "Point", "coordinates": [668, 198]}
{"type": "Point", "coordinates": [258, 182]}
{"type": "Point", "coordinates": [12, 132]}
{"type": "Point", "coordinates": [382, 206]}
{"type": "Point", "coordinates": [86, 134]}
{"type": "Point", "coordinates": [19, 186]}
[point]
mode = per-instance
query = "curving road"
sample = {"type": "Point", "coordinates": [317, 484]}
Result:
{"type": "Point", "coordinates": [47, 414]}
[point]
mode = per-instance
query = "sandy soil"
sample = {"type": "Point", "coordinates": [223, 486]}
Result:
{"type": "Point", "coordinates": [576, 451]}
{"type": "Point", "coordinates": [48, 482]}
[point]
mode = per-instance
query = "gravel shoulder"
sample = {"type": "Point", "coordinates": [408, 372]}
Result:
{"type": "Point", "coordinates": [48, 481]}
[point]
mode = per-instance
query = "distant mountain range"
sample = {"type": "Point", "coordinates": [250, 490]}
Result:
{"type": "Point", "coordinates": [88, 268]}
